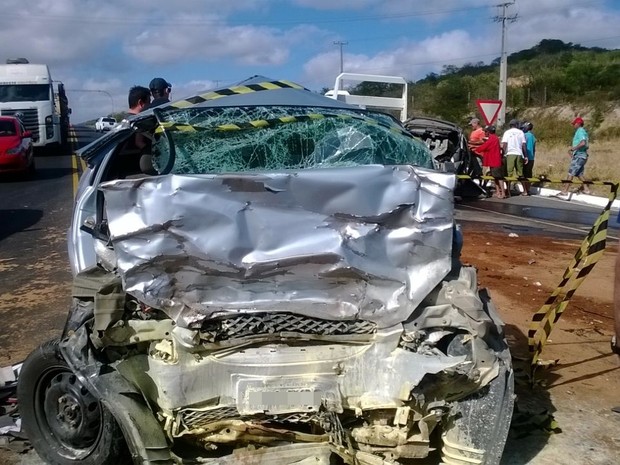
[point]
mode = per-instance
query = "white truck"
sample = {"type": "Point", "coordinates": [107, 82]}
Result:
{"type": "Point", "coordinates": [28, 92]}
{"type": "Point", "coordinates": [389, 104]}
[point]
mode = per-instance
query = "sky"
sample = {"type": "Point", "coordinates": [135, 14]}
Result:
{"type": "Point", "coordinates": [99, 49]}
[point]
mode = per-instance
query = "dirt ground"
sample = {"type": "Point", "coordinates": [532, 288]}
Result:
{"type": "Point", "coordinates": [520, 273]}
{"type": "Point", "coordinates": [578, 391]}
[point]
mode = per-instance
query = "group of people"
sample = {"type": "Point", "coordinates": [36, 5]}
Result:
{"type": "Point", "coordinates": [514, 154]}
{"type": "Point", "coordinates": [142, 98]}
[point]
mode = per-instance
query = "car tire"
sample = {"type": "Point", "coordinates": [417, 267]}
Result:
{"type": "Point", "coordinates": [65, 423]}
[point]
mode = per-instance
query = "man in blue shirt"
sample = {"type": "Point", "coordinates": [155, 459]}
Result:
{"type": "Point", "coordinates": [578, 152]}
{"type": "Point", "coordinates": [615, 341]}
{"type": "Point", "coordinates": [530, 148]}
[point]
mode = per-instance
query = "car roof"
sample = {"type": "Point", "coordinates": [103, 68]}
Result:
{"type": "Point", "coordinates": [257, 91]}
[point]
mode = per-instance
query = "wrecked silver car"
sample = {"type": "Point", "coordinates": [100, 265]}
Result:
{"type": "Point", "coordinates": [266, 275]}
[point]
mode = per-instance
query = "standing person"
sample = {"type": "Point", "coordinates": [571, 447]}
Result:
{"type": "Point", "coordinates": [514, 146]}
{"type": "Point", "coordinates": [578, 153]}
{"type": "Point", "coordinates": [139, 97]}
{"type": "Point", "coordinates": [476, 138]}
{"type": "Point", "coordinates": [615, 341]}
{"type": "Point", "coordinates": [530, 147]}
{"type": "Point", "coordinates": [160, 90]}
{"type": "Point", "coordinates": [491, 154]}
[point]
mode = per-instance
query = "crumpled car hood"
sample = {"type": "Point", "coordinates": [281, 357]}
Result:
{"type": "Point", "coordinates": [364, 242]}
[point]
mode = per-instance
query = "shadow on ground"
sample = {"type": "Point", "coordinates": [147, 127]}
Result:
{"type": "Point", "coordinates": [17, 220]}
{"type": "Point", "coordinates": [532, 421]}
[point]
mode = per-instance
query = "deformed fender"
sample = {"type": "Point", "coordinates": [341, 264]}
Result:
{"type": "Point", "coordinates": [143, 433]}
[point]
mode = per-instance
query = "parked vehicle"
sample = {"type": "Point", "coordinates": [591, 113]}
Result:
{"type": "Point", "coordinates": [450, 151]}
{"type": "Point", "coordinates": [105, 123]}
{"type": "Point", "coordinates": [275, 280]}
{"type": "Point", "coordinates": [27, 89]}
{"type": "Point", "coordinates": [16, 148]}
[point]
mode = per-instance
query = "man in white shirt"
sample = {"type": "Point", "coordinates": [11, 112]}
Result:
{"type": "Point", "coordinates": [514, 148]}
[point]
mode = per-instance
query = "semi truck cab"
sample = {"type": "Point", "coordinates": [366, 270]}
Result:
{"type": "Point", "coordinates": [27, 91]}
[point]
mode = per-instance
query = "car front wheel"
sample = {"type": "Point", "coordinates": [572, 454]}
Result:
{"type": "Point", "coordinates": [65, 423]}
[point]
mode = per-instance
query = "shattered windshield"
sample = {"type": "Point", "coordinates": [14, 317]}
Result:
{"type": "Point", "coordinates": [235, 139]}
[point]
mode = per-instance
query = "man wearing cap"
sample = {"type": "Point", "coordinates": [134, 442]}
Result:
{"type": "Point", "coordinates": [515, 150]}
{"type": "Point", "coordinates": [530, 146]}
{"type": "Point", "coordinates": [160, 90]}
{"type": "Point", "coordinates": [578, 153]}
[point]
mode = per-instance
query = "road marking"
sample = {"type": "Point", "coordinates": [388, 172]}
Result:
{"type": "Point", "coordinates": [75, 176]}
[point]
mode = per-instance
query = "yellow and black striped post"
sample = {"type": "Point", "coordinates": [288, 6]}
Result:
{"type": "Point", "coordinates": [588, 254]}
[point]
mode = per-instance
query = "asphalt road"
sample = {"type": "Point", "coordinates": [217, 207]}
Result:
{"type": "Point", "coordinates": [535, 215]}
{"type": "Point", "coordinates": [34, 217]}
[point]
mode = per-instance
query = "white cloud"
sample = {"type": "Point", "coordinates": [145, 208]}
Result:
{"type": "Point", "coordinates": [410, 59]}
{"type": "Point", "coordinates": [110, 46]}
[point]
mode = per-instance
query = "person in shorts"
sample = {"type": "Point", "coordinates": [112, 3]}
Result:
{"type": "Point", "coordinates": [513, 145]}
{"type": "Point", "coordinates": [578, 153]}
{"type": "Point", "coordinates": [615, 340]}
{"type": "Point", "coordinates": [530, 147]}
{"type": "Point", "coordinates": [491, 153]}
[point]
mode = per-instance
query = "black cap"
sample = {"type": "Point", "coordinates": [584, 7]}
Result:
{"type": "Point", "coordinates": [159, 84]}
{"type": "Point", "coordinates": [490, 128]}
{"type": "Point", "coordinates": [514, 123]}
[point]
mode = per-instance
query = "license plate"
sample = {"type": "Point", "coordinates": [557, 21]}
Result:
{"type": "Point", "coordinates": [280, 401]}
{"type": "Point", "coordinates": [284, 395]}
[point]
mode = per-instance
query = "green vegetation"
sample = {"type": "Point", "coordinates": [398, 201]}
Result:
{"type": "Point", "coordinates": [548, 75]}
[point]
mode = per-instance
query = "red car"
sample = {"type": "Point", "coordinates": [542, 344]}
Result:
{"type": "Point", "coordinates": [16, 152]}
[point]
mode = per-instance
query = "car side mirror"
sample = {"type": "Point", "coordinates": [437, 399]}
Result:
{"type": "Point", "coordinates": [27, 134]}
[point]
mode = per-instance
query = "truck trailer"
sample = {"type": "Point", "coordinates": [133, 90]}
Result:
{"type": "Point", "coordinates": [28, 92]}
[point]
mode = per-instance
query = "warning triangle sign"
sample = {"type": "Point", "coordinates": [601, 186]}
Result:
{"type": "Point", "coordinates": [489, 109]}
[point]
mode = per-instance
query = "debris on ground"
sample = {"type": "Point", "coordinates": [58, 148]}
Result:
{"type": "Point", "coordinates": [11, 435]}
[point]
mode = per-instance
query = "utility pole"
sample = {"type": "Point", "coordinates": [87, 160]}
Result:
{"type": "Point", "coordinates": [95, 90]}
{"type": "Point", "coordinates": [340, 43]}
{"type": "Point", "coordinates": [503, 66]}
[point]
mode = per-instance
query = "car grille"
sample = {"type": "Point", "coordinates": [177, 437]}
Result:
{"type": "Point", "coordinates": [30, 119]}
{"type": "Point", "coordinates": [275, 323]}
{"type": "Point", "coordinates": [193, 419]}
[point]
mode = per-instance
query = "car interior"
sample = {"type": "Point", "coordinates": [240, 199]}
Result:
{"type": "Point", "coordinates": [7, 128]}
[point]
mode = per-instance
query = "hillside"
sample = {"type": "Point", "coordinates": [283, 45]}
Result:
{"type": "Point", "coordinates": [550, 82]}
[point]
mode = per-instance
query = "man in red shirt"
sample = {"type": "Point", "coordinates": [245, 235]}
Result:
{"type": "Point", "coordinates": [491, 153]}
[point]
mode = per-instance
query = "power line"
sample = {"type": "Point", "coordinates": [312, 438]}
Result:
{"type": "Point", "coordinates": [94, 90]}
